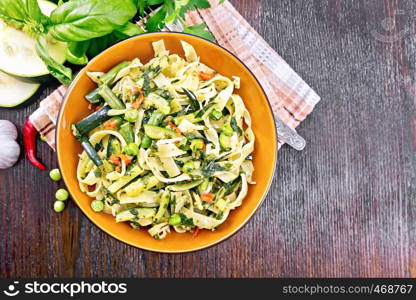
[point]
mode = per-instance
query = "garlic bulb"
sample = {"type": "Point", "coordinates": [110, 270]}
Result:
{"type": "Point", "coordinates": [8, 145]}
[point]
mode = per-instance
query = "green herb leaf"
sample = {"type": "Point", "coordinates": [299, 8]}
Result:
{"type": "Point", "coordinates": [185, 220]}
{"type": "Point", "coordinates": [101, 43]}
{"type": "Point", "coordinates": [24, 14]}
{"type": "Point", "coordinates": [235, 127]}
{"type": "Point", "coordinates": [157, 21]}
{"type": "Point", "coordinates": [76, 52]}
{"type": "Point", "coordinates": [130, 29]}
{"type": "Point", "coordinates": [194, 4]}
{"type": "Point", "coordinates": [199, 30]}
{"type": "Point", "coordinates": [80, 20]}
{"type": "Point", "coordinates": [192, 99]}
{"type": "Point", "coordinates": [59, 71]}
{"type": "Point", "coordinates": [211, 168]}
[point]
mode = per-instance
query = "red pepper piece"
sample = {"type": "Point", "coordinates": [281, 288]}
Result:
{"type": "Point", "coordinates": [29, 141]}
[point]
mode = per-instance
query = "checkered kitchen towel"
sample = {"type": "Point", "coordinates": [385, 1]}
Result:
{"type": "Point", "coordinates": [291, 98]}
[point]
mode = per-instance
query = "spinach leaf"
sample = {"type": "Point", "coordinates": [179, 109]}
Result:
{"type": "Point", "coordinates": [81, 20]}
{"type": "Point", "coordinates": [205, 109]}
{"type": "Point", "coordinates": [235, 127]}
{"type": "Point", "coordinates": [211, 168]}
{"type": "Point", "coordinates": [62, 73]}
{"type": "Point", "coordinates": [186, 221]}
{"type": "Point", "coordinates": [192, 99]}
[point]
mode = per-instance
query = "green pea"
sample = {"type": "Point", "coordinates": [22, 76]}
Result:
{"type": "Point", "coordinates": [215, 115]}
{"type": "Point", "coordinates": [197, 144]}
{"type": "Point", "coordinates": [55, 175]}
{"type": "Point", "coordinates": [227, 129]}
{"type": "Point", "coordinates": [131, 149]}
{"type": "Point", "coordinates": [131, 115]}
{"type": "Point", "coordinates": [175, 220]}
{"type": "Point", "coordinates": [58, 206]}
{"type": "Point", "coordinates": [97, 205]}
{"type": "Point", "coordinates": [188, 167]}
{"type": "Point", "coordinates": [61, 194]}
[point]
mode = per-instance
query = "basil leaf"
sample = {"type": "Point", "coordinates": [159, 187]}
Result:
{"type": "Point", "coordinates": [194, 4]}
{"type": "Point", "coordinates": [130, 29]}
{"type": "Point", "coordinates": [63, 74]}
{"type": "Point", "coordinates": [23, 14]}
{"type": "Point", "coordinates": [100, 44]}
{"type": "Point", "coordinates": [157, 21]}
{"type": "Point", "coordinates": [76, 52]}
{"type": "Point", "coordinates": [235, 127]}
{"type": "Point", "coordinates": [199, 30]}
{"type": "Point", "coordinates": [82, 20]}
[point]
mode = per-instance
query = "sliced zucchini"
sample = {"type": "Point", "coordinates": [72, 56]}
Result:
{"type": "Point", "coordinates": [13, 91]}
{"type": "Point", "coordinates": [18, 55]}
{"type": "Point", "coordinates": [114, 146]}
{"type": "Point", "coordinates": [126, 130]}
{"type": "Point", "coordinates": [143, 184]}
{"type": "Point", "coordinates": [158, 133]}
{"type": "Point", "coordinates": [135, 213]}
{"type": "Point", "coordinates": [90, 150]}
{"type": "Point", "coordinates": [190, 117]}
{"type": "Point", "coordinates": [136, 171]}
{"type": "Point", "coordinates": [225, 141]}
{"type": "Point", "coordinates": [154, 100]}
{"type": "Point", "coordinates": [93, 120]}
{"type": "Point", "coordinates": [180, 187]}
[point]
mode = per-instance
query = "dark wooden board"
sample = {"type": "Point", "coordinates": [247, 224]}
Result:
{"type": "Point", "coordinates": [345, 206]}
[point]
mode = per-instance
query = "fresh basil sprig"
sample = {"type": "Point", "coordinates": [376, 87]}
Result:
{"type": "Point", "coordinates": [173, 11]}
{"type": "Point", "coordinates": [57, 70]}
{"type": "Point", "coordinates": [23, 14]}
{"type": "Point", "coordinates": [91, 26]}
{"type": "Point", "coordinates": [77, 21]}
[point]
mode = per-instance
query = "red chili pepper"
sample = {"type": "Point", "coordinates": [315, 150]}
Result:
{"type": "Point", "coordinates": [208, 198]}
{"type": "Point", "coordinates": [136, 97]}
{"type": "Point", "coordinates": [29, 141]}
{"type": "Point", "coordinates": [173, 126]}
{"type": "Point", "coordinates": [206, 76]}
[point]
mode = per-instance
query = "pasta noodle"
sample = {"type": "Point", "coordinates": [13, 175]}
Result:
{"type": "Point", "coordinates": [179, 154]}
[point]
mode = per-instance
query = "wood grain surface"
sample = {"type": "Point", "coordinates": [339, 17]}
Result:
{"type": "Point", "coordinates": [345, 206]}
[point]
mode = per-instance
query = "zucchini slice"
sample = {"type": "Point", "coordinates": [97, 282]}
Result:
{"type": "Point", "coordinates": [93, 120]}
{"type": "Point", "coordinates": [18, 55]}
{"type": "Point", "coordinates": [225, 141]}
{"type": "Point", "coordinates": [135, 213]}
{"type": "Point", "coordinates": [13, 91]}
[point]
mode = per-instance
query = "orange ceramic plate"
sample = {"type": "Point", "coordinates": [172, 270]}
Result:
{"type": "Point", "coordinates": [75, 108]}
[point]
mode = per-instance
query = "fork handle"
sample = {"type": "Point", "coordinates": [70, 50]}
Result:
{"type": "Point", "coordinates": [289, 135]}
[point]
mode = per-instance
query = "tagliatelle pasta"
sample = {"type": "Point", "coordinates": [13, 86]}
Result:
{"type": "Point", "coordinates": [171, 146]}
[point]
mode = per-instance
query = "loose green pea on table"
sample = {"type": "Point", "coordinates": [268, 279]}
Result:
{"type": "Point", "coordinates": [59, 206]}
{"type": "Point", "coordinates": [62, 195]}
{"type": "Point", "coordinates": [55, 175]}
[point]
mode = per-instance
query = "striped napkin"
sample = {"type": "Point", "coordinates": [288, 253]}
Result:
{"type": "Point", "coordinates": [290, 97]}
